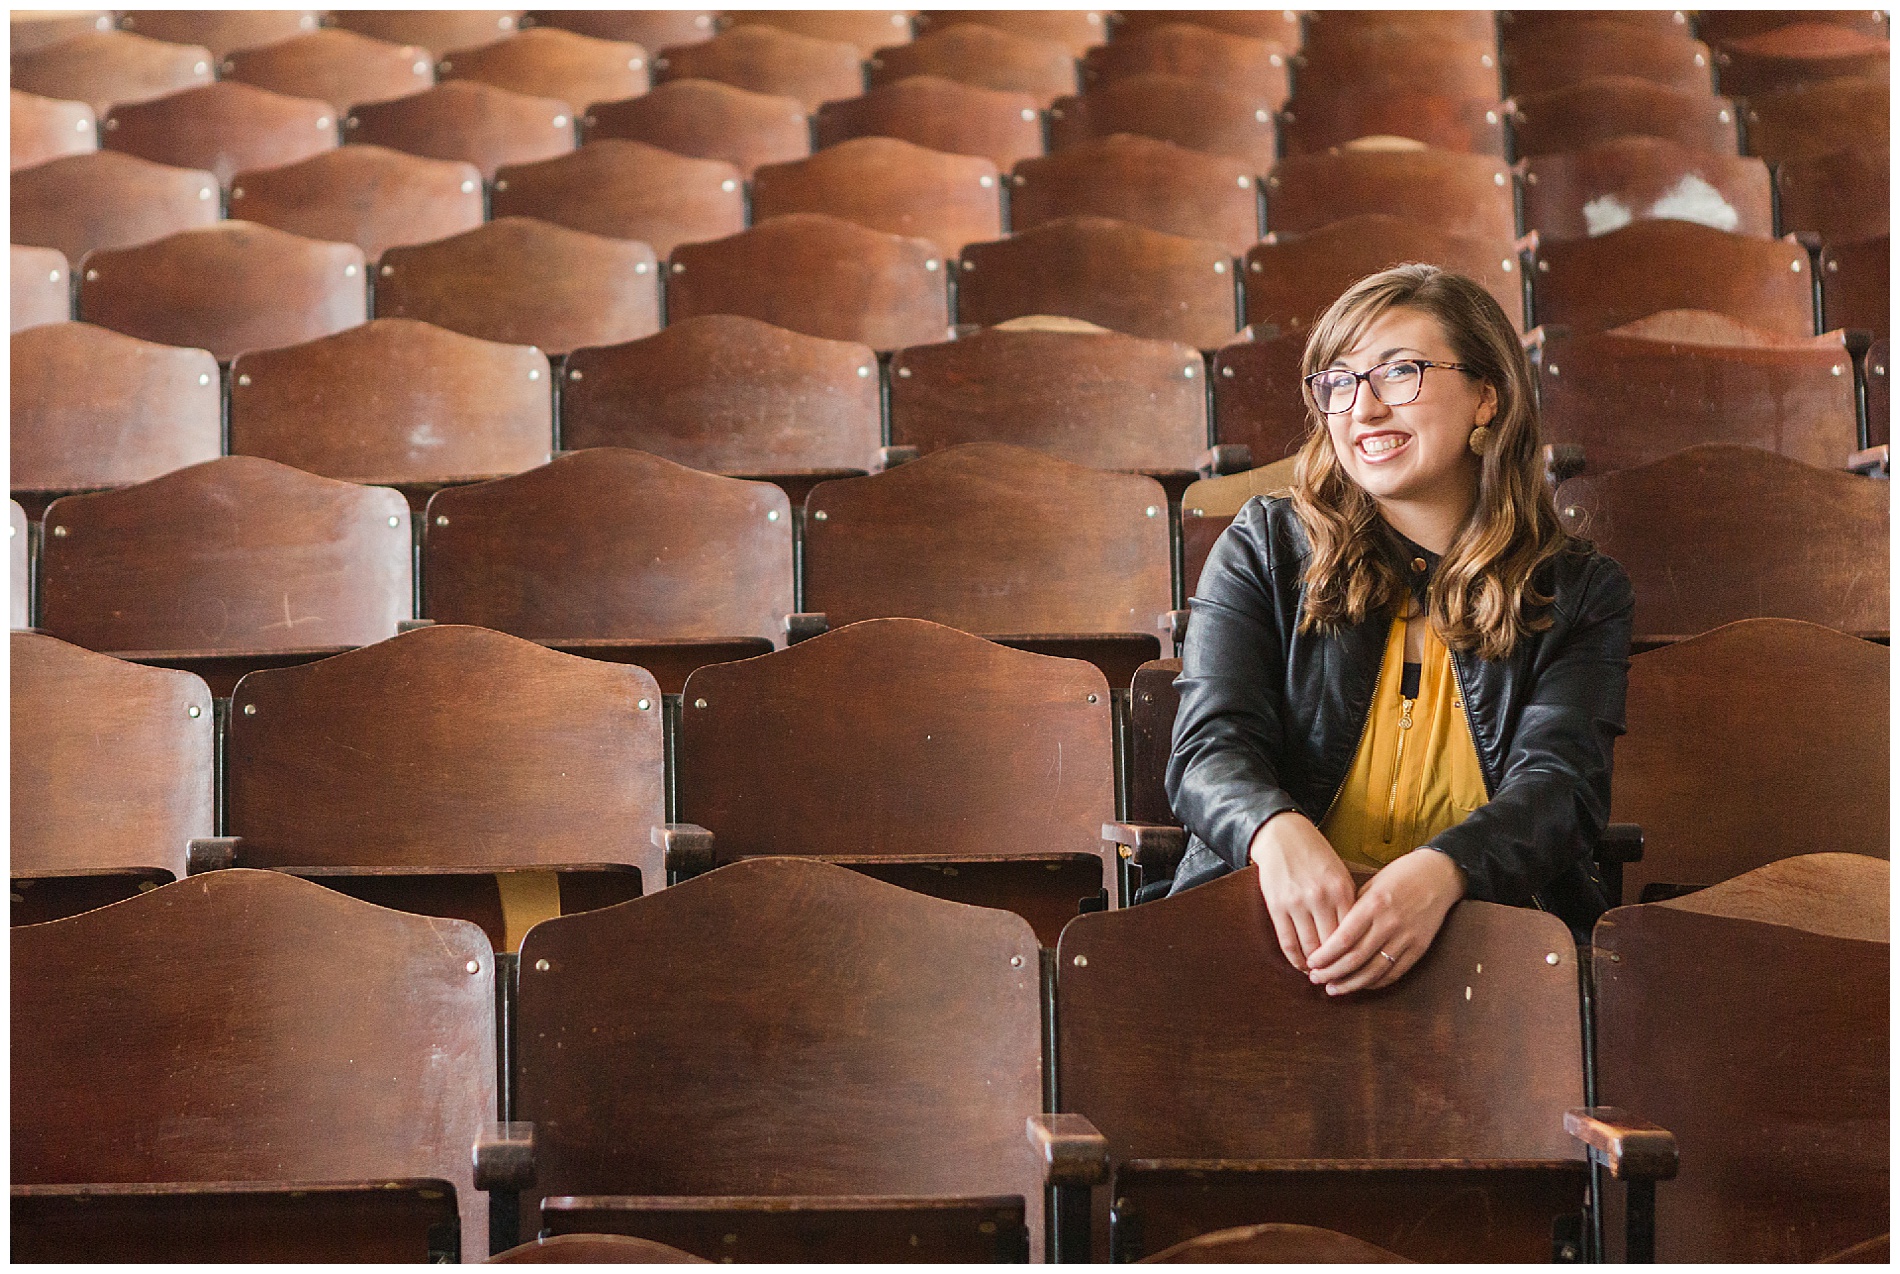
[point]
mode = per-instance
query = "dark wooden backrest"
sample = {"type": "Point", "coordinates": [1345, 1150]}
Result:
{"type": "Point", "coordinates": [1121, 276]}
{"type": "Point", "coordinates": [1717, 26]}
{"type": "Point", "coordinates": [1292, 277]}
{"type": "Point", "coordinates": [223, 129]}
{"type": "Point", "coordinates": [395, 401]}
{"type": "Point", "coordinates": [1854, 285]}
{"type": "Point", "coordinates": [708, 120]}
{"type": "Point", "coordinates": [1465, 195]}
{"type": "Point", "coordinates": [1816, 119]}
{"type": "Point", "coordinates": [1651, 265]}
{"type": "Point", "coordinates": [783, 1027]}
{"type": "Point", "coordinates": [1074, 29]}
{"type": "Point", "coordinates": [1208, 508]}
{"type": "Point", "coordinates": [103, 199]}
{"type": "Point", "coordinates": [1274, 1244]}
{"type": "Point", "coordinates": [440, 31]}
{"type": "Point", "coordinates": [1758, 740]}
{"type": "Point", "coordinates": [1151, 740]}
{"type": "Point", "coordinates": [106, 68]}
{"type": "Point", "coordinates": [981, 56]}
{"type": "Point", "coordinates": [447, 746]}
{"type": "Point", "coordinates": [628, 190]}
{"type": "Point", "coordinates": [44, 128]}
{"type": "Point", "coordinates": [32, 29]}
{"type": "Point", "coordinates": [767, 60]}
{"type": "Point", "coordinates": [1181, 109]}
{"type": "Point", "coordinates": [1593, 46]}
{"type": "Point", "coordinates": [367, 195]}
{"type": "Point", "coordinates": [249, 1026]}
{"type": "Point", "coordinates": [339, 67]}
{"type": "Point", "coordinates": [111, 761]}
{"type": "Point", "coordinates": [1318, 119]}
{"type": "Point", "coordinates": [650, 28]}
{"type": "Point", "coordinates": [889, 185]}
{"type": "Point", "coordinates": [549, 62]}
{"type": "Point", "coordinates": [1795, 398]}
{"type": "Point", "coordinates": [1241, 63]}
{"type": "Point", "coordinates": [896, 736]}
{"type": "Point", "coordinates": [1878, 384]}
{"type": "Point", "coordinates": [1841, 196]}
{"type": "Point", "coordinates": [1719, 533]}
{"type": "Point", "coordinates": [594, 1249]}
{"type": "Point", "coordinates": [1281, 26]}
{"type": "Point", "coordinates": [486, 126]}
{"type": "Point", "coordinates": [228, 288]}
{"type": "Point", "coordinates": [991, 539]}
{"type": "Point", "coordinates": [728, 394]}
{"type": "Point", "coordinates": [1759, 1038]}
{"type": "Point", "coordinates": [1606, 106]}
{"type": "Point", "coordinates": [938, 114]}
{"type": "Point", "coordinates": [223, 31]}
{"type": "Point", "coordinates": [1341, 33]}
{"type": "Point", "coordinates": [818, 275]}
{"type": "Point", "coordinates": [233, 554]}
{"type": "Point", "coordinates": [1581, 193]}
{"type": "Point", "coordinates": [19, 568]}
{"type": "Point", "coordinates": [1400, 62]}
{"type": "Point", "coordinates": [92, 408]}
{"type": "Point", "coordinates": [1800, 53]}
{"type": "Point", "coordinates": [864, 29]}
{"type": "Point", "coordinates": [1258, 399]}
{"type": "Point", "coordinates": [526, 282]}
{"type": "Point", "coordinates": [1097, 398]}
{"type": "Point", "coordinates": [42, 291]}
{"type": "Point", "coordinates": [1143, 180]}
{"type": "Point", "coordinates": [612, 543]}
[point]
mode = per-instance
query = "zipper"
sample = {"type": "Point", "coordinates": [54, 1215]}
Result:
{"type": "Point", "coordinates": [1364, 725]}
{"type": "Point", "coordinates": [1464, 696]}
{"type": "Point", "coordinates": [1398, 755]}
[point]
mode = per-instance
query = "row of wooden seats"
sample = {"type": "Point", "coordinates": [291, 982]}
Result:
{"type": "Point", "coordinates": [785, 1060]}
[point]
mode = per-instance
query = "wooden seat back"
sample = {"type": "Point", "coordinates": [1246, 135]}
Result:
{"type": "Point", "coordinates": [439, 31]}
{"type": "Point", "coordinates": [1818, 119]}
{"type": "Point", "coordinates": [889, 185]}
{"type": "Point", "coordinates": [94, 409]}
{"type": "Point", "coordinates": [594, 1249]}
{"type": "Point", "coordinates": [1840, 197]}
{"type": "Point", "coordinates": [938, 114]}
{"type": "Point", "coordinates": [628, 190]}
{"type": "Point", "coordinates": [335, 66]}
{"type": "Point", "coordinates": [41, 129]}
{"type": "Point", "coordinates": [41, 287]}
{"type": "Point", "coordinates": [227, 288]}
{"type": "Point", "coordinates": [1469, 196]}
{"type": "Point", "coordinates": [1259, 401]}
{"type": "Point", "coordinates": [1854, 285]}
{"type": "Point", "coordinates": [520, 281]}
{"type": "Point", "coordinates": [236, 554]}
{"type": "Point", "coordinates": [1274, 1245]}
{"type": "Point", "coordinates": [1590, 285]}
{"type": "Point", "coordinates": [1606, 106]}
{"type": "Point", "coordinates": [981, 56]}
{"type": "Point", "coordinates": [1583, 193]}
{"type": "Point", "coordinates": [612, 543]}
{"type": "Point", "coordinates": [32, 29]}
{"type": "Point", "coordinates": [1186, 1037]}
{"type": "Point", "coordinates": [762, 59]}
{"type": "Point", "coordinates": [1151, 183]}
{"type": "Point", "coordinates": [223, 129]}
{"type": "Point", "coordinates": [549, 62]}
{"type": "Point", "coordinates": [649, 28]}
{"type": "Point", "coordinates": [708, 120]}
{"type": "Point", "coordinates": [1077, 30]}
{"type": "Point", "coordinates": [395, 402]}
{"type": "Point", "coordinates": [336, 1042]}
{"type": "Point", "coordinates": [1234, 123]}
{"type": "Point", "coordinates": [1243, 64]}
{"type": "Point", "coordinates": [1278, 26]}
{"type": "Point", "coordinates": [19, 568]}
{"type": "Point", "coordinates": [371, 196]}
{"type": "Point", "coordinates": [818, 275]}
{"type": "Point", "coordinates": [728, 394]}
{"type": "Point", "coordinates": [1876, 381]}
{"type": "Point", "coordinates": [1340, 34]}
{"type": "Point", "coordinates": [1662, 54]}
{"type": "Point", "coordinates": [1401, 63]}
{"type": "Point", "coordinates": [1798, 54]}
{"type": "Point", "coordinates": [1718, 533]}
{"type": "Point", "coordinates": [223, 31]}
{"type": "Point", "coordinates": [645, 1068]}
{"type": "Point", "coordinates": [1749, 744]}
{"type": "Point", "coordinates": [103, 199]}
{"type": "Point", "coordinates": [1318, 119]}
{"type": "Point", "coordinates": [462, 119]}
{"type": "Point", "coordinates": [1719, 26]}
{"type": "Point", "coordinates": [1209, 507]}
{"type": "Point", "coordinates": [104, 69]}
{"type": "Point", "coordinates": [864, 29]}
{"type": "Point", "coordinates": [1751, 1020]}
{"type": "Point", "coordinates": [1094, 398]}
{"type": "Point", "coordinates": [1151, 740]}
{"type": "Point", "coordinates": [446, 747]}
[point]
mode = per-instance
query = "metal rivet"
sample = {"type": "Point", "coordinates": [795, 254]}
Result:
{"type": "Point", "coordinates": [204, 378]}
{"type": "Point", "coordinates": [351, 123]}
{"type": "Point", "coordinates": [112, 125]}
{"type": "Point", "coordinates": [447, 65]}
{"type": "Point", "coordinates": [441, 519]}
{"type": "Point", "coordinates": [1722, 115]}
{"type": "Point", "coordinates": [1484, 59]}
{"type": "Point", "coordinates": [91, 275]}
{"type": "Point", "coordinates": [1555, 370]}
{"type": "Point", "coordinates": [59, 532]}
{"type": "Point", "coordinates": [645, 704]}
{"type": "Point", "coordinates": [194, 711]}
{"type": "Point", "coordinates": [1256, 267]}
{"type": "Point", "coordinates": [1615, 958]}
{"type": "Point", "coordinates": [1700, 60]}
{"type": "Point", "coordinates": [1153, 510]}
{"type": "Point", "coordinates": [82, 125]}
{"type": "Point", "coordinates": [931, 265]}
{"type": "Point", "coordinates": [250, 709]}
{"type": "Point", "coordinates": [541, 966]}
{"type": "Point", "coordinates": [633, 64]}
{"type": "Point", "coordinates": [1498, 178]}
{"type": "Point", "coordinates": [968, 265]}
{"type": "Point", "coordinates": [349, 271]}
{"type": "Point", "coordinates": [1188, 371]}
{"type": "Point", "coordinates": [1245, 182]}
{"type": "Point", "coordinates": [199, 68]}
{"type": "Point", "coordinates": [986, 181]}
{"type": "Point", "coordinates": [204, 193]}
{"type": "Point", "coordinates": [1508, 265]}
{"type": "Point", "coordinates": [1273, 183]}
{"type": "Point", "coordinates": [821, 516]}
{"type": "Point", "coordinates": [1796, 266]}
{"type": "Point", "coordinates": [728, 185]}
{"type": "Point", "coordinates": [1490, 117]}
{"type": "Point", "coordinates": [699, 703]}
{"type": "Point", "coordinates": [864, 373]}
{"type": "Point", "coordinates": [1019, 180]}
{"type": "Point", "coordinates": [1551, 958]}
{"type": "Point", "coordinates": [1081, 962]}
{"type": "Point", "coordinates": [639, 267]}
{"type": "Point", "coordinates": [324, 121]}
{"type": "Point", "coordinates": [560, 121]}
{"type": "Point", "coordinates": [394, 520]}
{"type": "Point", "coordinates": [679, 267]}
{"type": "Point", "coordinates": [1028, 114]}
{"type": "Point", "coordinates": [534, 373]}
{"type": "Point", "coordinates": [1530, 179]}
{"type": "Point", "coordinates": [1543, 267]}
{"type": "Point", "coordinates": [1092, 699]}
{"type": "Point", "coordinates": [1220, 267]}
{"type": "Point", "coordinates": [1260, 117]}
{"type": "Point", "coordinates": [1227, 372]}
{"type": "Point", "coordinates": [473, 966]}
{"type": "Point", "coordinates": [388, 270]}
{"type": "Point", "coordinates": [420, 68]}
{"type": "Point", "coordinates": [1570, 510]}
{"type": "Point", "coordinates": [1194, 513]}
{"type": "Point", "coordinates": [903, 373]}
{"type": "Point", "coordinates": [468, 187]}
{"type": "Point", "coordinates": [1836, 369]}
{"type": "Point", "coordinates": [1016, 962]}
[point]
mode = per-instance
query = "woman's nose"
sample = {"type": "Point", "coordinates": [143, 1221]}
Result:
{"type": "Point", "coordinates": [1366, 405]}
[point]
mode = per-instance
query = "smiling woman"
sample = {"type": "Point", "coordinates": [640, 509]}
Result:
{"type": "Point", "coordinates": [1406, 666]}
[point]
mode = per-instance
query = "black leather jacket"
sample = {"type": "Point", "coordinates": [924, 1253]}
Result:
{"type": "Point", "coordinates": [1271, 718]}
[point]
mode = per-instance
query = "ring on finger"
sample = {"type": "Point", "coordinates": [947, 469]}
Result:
{"type": "Point", "coordinates": [1388, 955]}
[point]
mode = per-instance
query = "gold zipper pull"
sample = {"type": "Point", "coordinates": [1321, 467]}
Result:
{"type": "Point", "coordinates": [1398, 754]}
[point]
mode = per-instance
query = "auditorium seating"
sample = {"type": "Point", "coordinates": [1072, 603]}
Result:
{"type": "Point", "coordinates": [983, 57]}
{"type": "Point", "coordinates": [1797, 54]}
{"type": "Point", "coordinates": [371, 196]}
{"type": "Point", "coordinates": [1138, 179]}
{"type": "Point", "coordinates": [1399, 61]}
{"type": "Point", "coordinates": [103, 199]}
{"type": "Point", "coordinates": [1237, 124]}
{"type": "Point", "coordinates": [1470, 196]}
{"type": "Point", "coordinates": [762, 59]}
{"type": "Point", "coordinates": [1818, 119]}
{"type": "Point", "coordinates": [1591, 191]}
{"type": "Point", "coordinates": [1209, 506]}
{"type": "Point", "coordinates": [707, 120]}
{"type": "Point", "coordinates": [41, 129]}
{"type": "Point", "coordinates": [42, 288]}
{"type": "Point", "coordinates": [1316, 120]}
{"type": "Point", "coordinates": [1292, 276]}
{"type": "Point", "coordinates": [1837, 198]}
{"type": "Point", "coordinates": [1078, 30]}
{"type": "Point", "coordinates": [889, 185]}
{"type": "Point", "coordinates": [549, 62]}
{"type": "Point", "coordinates": [627, 190]}
{"type": "Point", "coordinates": [33, 29]}
{"type": "Point", "coordinates": [866, 29]}
{"type": "Point", "coordinates": [439, 31]}
{"type": "Point", "coordinates": [649, 28]}
{"type": "Point", "coordinates": [1854, 285]}
{"type": "Point", "coordinates": [340, 67]}
{"type": "Point", "coordinates": [223, 31]}
{"type": "Point", "coordinates": [19, 567]}
{"type": "Point", "coordinates": [104, 69]}
{"type": "Point", "coordinates": [937, 114]}
{"type": "Point", "coordinates": [223, 129]}
{"type": "Point", "coordinates": [1661, 54]}
{"type": "Point", "coordinates": [1878, 395]}
{"type": "Point", "coordinates": [1653, 265]}
{"type": "Point", "coordinates": [1247, 65]}
{"type": "Point", "coordinates": [1279, 26]}
{"type": "Point", "coordinates": [1602, 107]}
{"type": "Point", "coordinates": [1258, 402]}
{"type": "Point", "coordinates": [463, 119]}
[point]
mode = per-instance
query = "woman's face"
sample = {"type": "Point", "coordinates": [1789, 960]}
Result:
{"type": "Point", "coordinates": [1418, 453]}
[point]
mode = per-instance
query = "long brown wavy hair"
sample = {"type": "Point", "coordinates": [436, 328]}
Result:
{"type": "Point", "coordinates": [1482, 597]}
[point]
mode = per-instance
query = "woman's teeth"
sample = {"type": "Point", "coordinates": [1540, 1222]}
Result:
{"type": "Point", "coordinates": [1382, 444]}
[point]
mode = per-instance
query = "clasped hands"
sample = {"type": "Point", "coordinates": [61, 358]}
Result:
{"type": "Point", "coordinates": [1344, 938]}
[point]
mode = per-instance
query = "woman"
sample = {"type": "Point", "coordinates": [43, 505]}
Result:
{"type": "Point", "coordinates": [1408, 665]}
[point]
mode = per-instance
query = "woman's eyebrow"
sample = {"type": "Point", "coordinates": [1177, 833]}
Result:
{"type": "Point", "coordinates": [1385, 357]}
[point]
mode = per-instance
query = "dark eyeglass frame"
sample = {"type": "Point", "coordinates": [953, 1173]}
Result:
{"type": "Point", "coordinates": [1365, 378]}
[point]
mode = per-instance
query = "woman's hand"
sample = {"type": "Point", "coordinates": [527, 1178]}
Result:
{"type": "Point", "coordinates": [1392, 924]}
{"type": "Point", "coordinates": [1307, 888]}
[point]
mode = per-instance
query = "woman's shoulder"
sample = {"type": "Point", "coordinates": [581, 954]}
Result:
{"type": "Point", "coordinates": [1586, 583]}
{"type": "Point", "coordinates": [1271, 523]}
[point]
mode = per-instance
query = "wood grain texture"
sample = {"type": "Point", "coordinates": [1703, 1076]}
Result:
{"type": "Point", "coordinates": [762, 59]}
{"type": "Point", "coordinates": [1606, 106]}
{"type": "Point", "coordinates": [1877, 379]}
{"type": "Point", "coordinates": [728, 394]}
{"type": "Point", "coordinates": [1583, 193]}
{"type": "Point", "coordinates": [737, 1034]}
{"type": "Point", "coordinates": [708, 120]}
{"type": "Point", "coordinates": [42, 290]}
{"type": "Point", "coordinates": [1593, 47]}
{"type": "Point", "coordinates": [889, 185]}
{"type": "Point", "coordinates": [1275, 1244]}
{"type": "Point", "coordinates": [1151, 740]}
{"type": "Point", "coordinates": [1190, 112]}
{"type": "Point", "coordinates": [1209, 506]}
{"type": "Point", "coordinates": [1719, 26]}
{"type": "Point", "coordinates": [549, 62]}
{"type": "Point", "coordinates": [1647, 266]}
{"type": "Point", "coordinates": [1854, 285]}
{"type": "Point", "coordinates": [227, 288]}
{"type": "Point", "coordinates": [371, 196]}
{"type": "Point", "coordinates": [40, 129]}
{"type": "Point", "coordinates": [611, 543]}
{"type": "Point", "coordinates": [1797, 54]}
{"type": "Point", "coordinates": [1315, 120]}
{"type": "Point", "coordinates": [1818, 119]}
{"type": "Point", "coordinates": [1099, 399]}
{"type": "Point", "coordinates": [1718, 533]}
{"type": "Point", "coordinates": [236, 554]}
{"type": "Point", "coordinates": [1834, 894]}
{"type": "Point", "coordinates": [1280, 26]}
{"type": "Point", "coordinates": [141, 1069]}
{"type": "Point", "coordinates": [938, 114]}
{"type": "Point", "coordinates": [981, 56]}
{"type": "Point", "coordinates": [104, 69]}
{"type": "Point", "coordinates": [594, 1249]}
{"type": "Point", "coordinates": [223, 129]}
{"type": "Point", "coordinates": [1469, 196]}
{"type": "Point", "coordinates": [806, 1229]}
{"type": "Point", "coordinates": [93, 409]}
{"type": "Point", "coordinates": [395, 402]}
{"type": "Point", "coordinates": [1075, 29]}
{"type": "Point", "coordinates": [383, 758]}
{"type": "Point", "coordinates": [1344, 32]}
{"type": "Point", "coordinates": [339, 67]}
{"type": "Point", "coordinates": [1258, 399]}
{"type": "Point", "coordinates": [866, 29]}
{"type": "Point", "coordinates": [1722, 783]}
{"type": "Point", "coordinates": [223, 31]}
{"type": "Point", "coordinates": [19, 568]}
{"type": "Point", "coordinates": [1242, 63]}
{"type": "Point", "coordinates": [104, 199]}
{"type": "Point", "coordinates": [1763, 1048]}
{"type": "Point", "coordinates": [462, 119]}
{"type": "Point", "coordinates": [651, 28]}
{"type": "Point", "coordinates": [440, 31]}
{"type": "Point", "coordinates": [520, 281]}
{"type": "Point", "coordinates": [628, 190]}
{"type": "Point", "coordinates": [29, 30]}
{"type": "Point", "coordinates": [1842, 196]}
{"type": "Point", "coordinates": [1141, 180]}
{"type": "Point", "coordinates": [1395, 59]}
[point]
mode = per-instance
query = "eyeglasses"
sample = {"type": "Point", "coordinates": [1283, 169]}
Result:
{"type": "Point", "coordinates": [1394, 384]}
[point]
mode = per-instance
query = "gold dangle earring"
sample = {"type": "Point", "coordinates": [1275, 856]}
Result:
{"type": "Point", "coordinates": [1480, 438]}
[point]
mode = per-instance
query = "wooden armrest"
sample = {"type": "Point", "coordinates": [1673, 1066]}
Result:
{"type": "Point", "coordinates": [1562, 460]}
{"type": "Point", "coordinates": [1174, 623]}
{"type": "Point", "coordinates": [805, 624]}
{"type": "Point", "coordinates": [1630, 1148]}
{"type": "Point", "coordinates": [1620, 843]}
{"type": "Point", "coordinates": [1156, 848]}
{"type": "Point", "coordinates": [891, 457]}
{"type": "Point", "coordinates": [1872, 461]}
{"type": "Point", "coordinates": [410, 625]}
{"type": "Point", "coordinates": [1073, 1152]}
{"type": "Point", "coordinates": [688, 848]}
{"type": "Point", "coordinates": [210, 853]}
{"type": "Point", "coordinates": [1225, 458]}
{"type": "Point", "coordinates": [504, 1156]}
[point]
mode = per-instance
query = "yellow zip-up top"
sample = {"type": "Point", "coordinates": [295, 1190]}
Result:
{"type": "Point", "coordinates": [1416, 772]}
